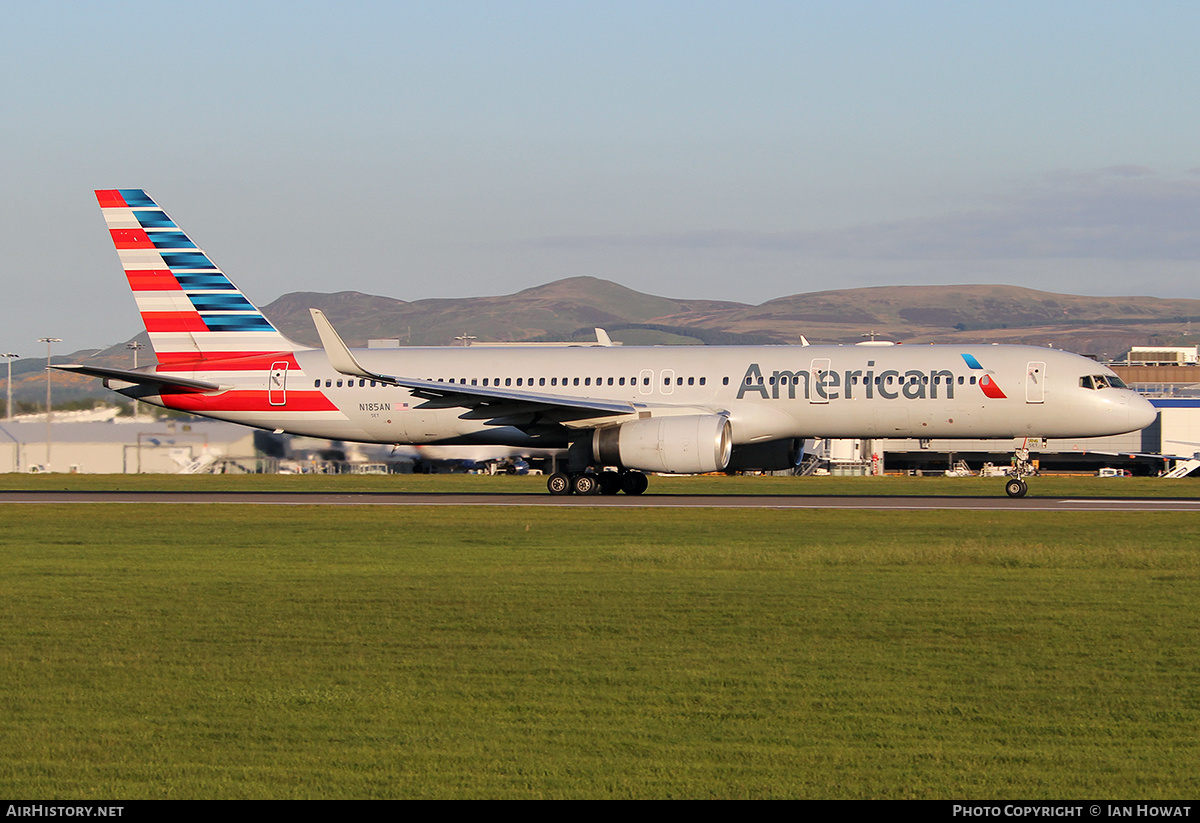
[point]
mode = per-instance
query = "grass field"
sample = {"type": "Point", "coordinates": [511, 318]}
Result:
{"type": "Point", "coordinates": [243, 651]}
{"type": "Point", "coordinates": [1049, 486]}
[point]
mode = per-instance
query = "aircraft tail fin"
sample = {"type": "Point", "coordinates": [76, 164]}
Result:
{"type": "Point", "coordinates": [191, 310]}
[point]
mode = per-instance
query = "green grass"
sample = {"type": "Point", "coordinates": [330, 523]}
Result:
{"type": "Point", "coordinates": [1050, 486]}
{"type": "Point", "coordinates": [242, 651]}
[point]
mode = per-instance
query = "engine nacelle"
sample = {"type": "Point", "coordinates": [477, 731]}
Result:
{"type": "Point", "coordinates": [691, 444]}
{"type": "Point", "coordinates": [771, 456]}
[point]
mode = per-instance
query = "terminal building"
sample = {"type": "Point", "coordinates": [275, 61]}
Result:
{"type": "Point", "coordinates": [103, 443]}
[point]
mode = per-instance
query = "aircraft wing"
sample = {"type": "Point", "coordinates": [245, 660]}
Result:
{"type": "Point", "coordinates": [141, 377]}
{"type": "Point", "coordinates": [1156, 455]}
{"type": "Point", "coordinates": [449, 395]}
{"type": "Point", "coordinates": [501, 406]}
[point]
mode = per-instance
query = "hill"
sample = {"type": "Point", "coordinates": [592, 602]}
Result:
{"type": "Point", "coordinates": [555, 311]}
{"type": "Point", "coordinates": [569, 309]}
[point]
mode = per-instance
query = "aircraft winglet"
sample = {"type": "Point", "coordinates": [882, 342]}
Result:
{"type": "Point", "coordinates": [338, 352]}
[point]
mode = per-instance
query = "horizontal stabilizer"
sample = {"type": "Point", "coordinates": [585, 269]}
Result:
{"type": "Point", "coordinates": [144, 378]}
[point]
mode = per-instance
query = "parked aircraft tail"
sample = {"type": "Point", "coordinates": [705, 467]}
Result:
{"type": "Point", "coordinates": [191, 310]}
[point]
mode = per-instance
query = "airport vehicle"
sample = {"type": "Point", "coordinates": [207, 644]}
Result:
{"type": "Point", "coordinates": [619, 411]}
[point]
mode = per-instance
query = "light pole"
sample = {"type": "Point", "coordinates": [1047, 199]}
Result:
{"type": "Point", "coordinates": [8, 408]}
{"type": "Point", "coordinates": [136, 347]}
{"type": "Point", "coordinates": [48, 341]}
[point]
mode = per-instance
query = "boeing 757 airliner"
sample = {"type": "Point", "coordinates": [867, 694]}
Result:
{"type": "Point", "coordinates": [620, 411]}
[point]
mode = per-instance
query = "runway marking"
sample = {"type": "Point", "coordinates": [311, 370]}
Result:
{"type": "Point", "coordinates": [1141, 501]}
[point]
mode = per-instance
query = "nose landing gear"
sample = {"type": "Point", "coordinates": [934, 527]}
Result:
{"type": "Point", "coordinates": [1021, 467]}
{"type": "Point", "coordinates": [1015, 487]}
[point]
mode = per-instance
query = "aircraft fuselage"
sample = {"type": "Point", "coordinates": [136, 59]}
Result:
{"type": "Point", "coordinates": [769, 392]}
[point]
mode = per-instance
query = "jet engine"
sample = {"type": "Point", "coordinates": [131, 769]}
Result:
{"type": "Point", "coordinates": [691, 444]}
{"type": "Point", "coordinates": [771, 456]}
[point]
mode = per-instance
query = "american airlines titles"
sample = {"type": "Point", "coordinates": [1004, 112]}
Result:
{"type": "Point", "coordinates": [828, 384]}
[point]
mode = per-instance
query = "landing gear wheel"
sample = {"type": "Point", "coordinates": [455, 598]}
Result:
{"type": "Point", "coordinates": [610, 482]}
{"type": "Point", "coordinates": [585, 484]}
{"type": "Point", "coordinates": [559, 483]}
{"type": "Point", "coordinates": [634, 482]}
{"type": "Point", "coordinates": [1015, 487]}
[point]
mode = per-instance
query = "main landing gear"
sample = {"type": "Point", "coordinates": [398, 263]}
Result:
{"type": "Point", "coordinates": [605, 482]}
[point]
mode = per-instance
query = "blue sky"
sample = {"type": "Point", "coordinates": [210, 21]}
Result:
{"type": "Point", "coordinates": [737, 151]}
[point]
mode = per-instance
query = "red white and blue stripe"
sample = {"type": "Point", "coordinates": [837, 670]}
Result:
{"type": "Point", "coordinates": [192, 311]}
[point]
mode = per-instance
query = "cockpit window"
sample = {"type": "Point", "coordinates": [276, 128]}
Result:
{"type": "Point", "coordinates": [1102, 381]}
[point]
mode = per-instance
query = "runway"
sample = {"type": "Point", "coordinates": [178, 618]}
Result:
{"type": "Point", "coordinates": [675, 501]}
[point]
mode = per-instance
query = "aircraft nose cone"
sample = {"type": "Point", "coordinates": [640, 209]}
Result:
{"type": "Point", "coordinates": [1141, 412]}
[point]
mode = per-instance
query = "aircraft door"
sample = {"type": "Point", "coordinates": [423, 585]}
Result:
{"type": "Point", "coordinates": [668, 380]}
{"type": "Point", "coordinates": [277, 384]}
{"type": "Point", "coordinates": [1035, 382]}
{"type": "Point", "coordinates": [820, 368]}
{"type": "Point", "coordinates": [646, 381]}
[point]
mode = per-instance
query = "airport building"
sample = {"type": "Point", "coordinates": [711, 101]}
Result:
{"type": "Point", "coordinates": [125, 446]}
